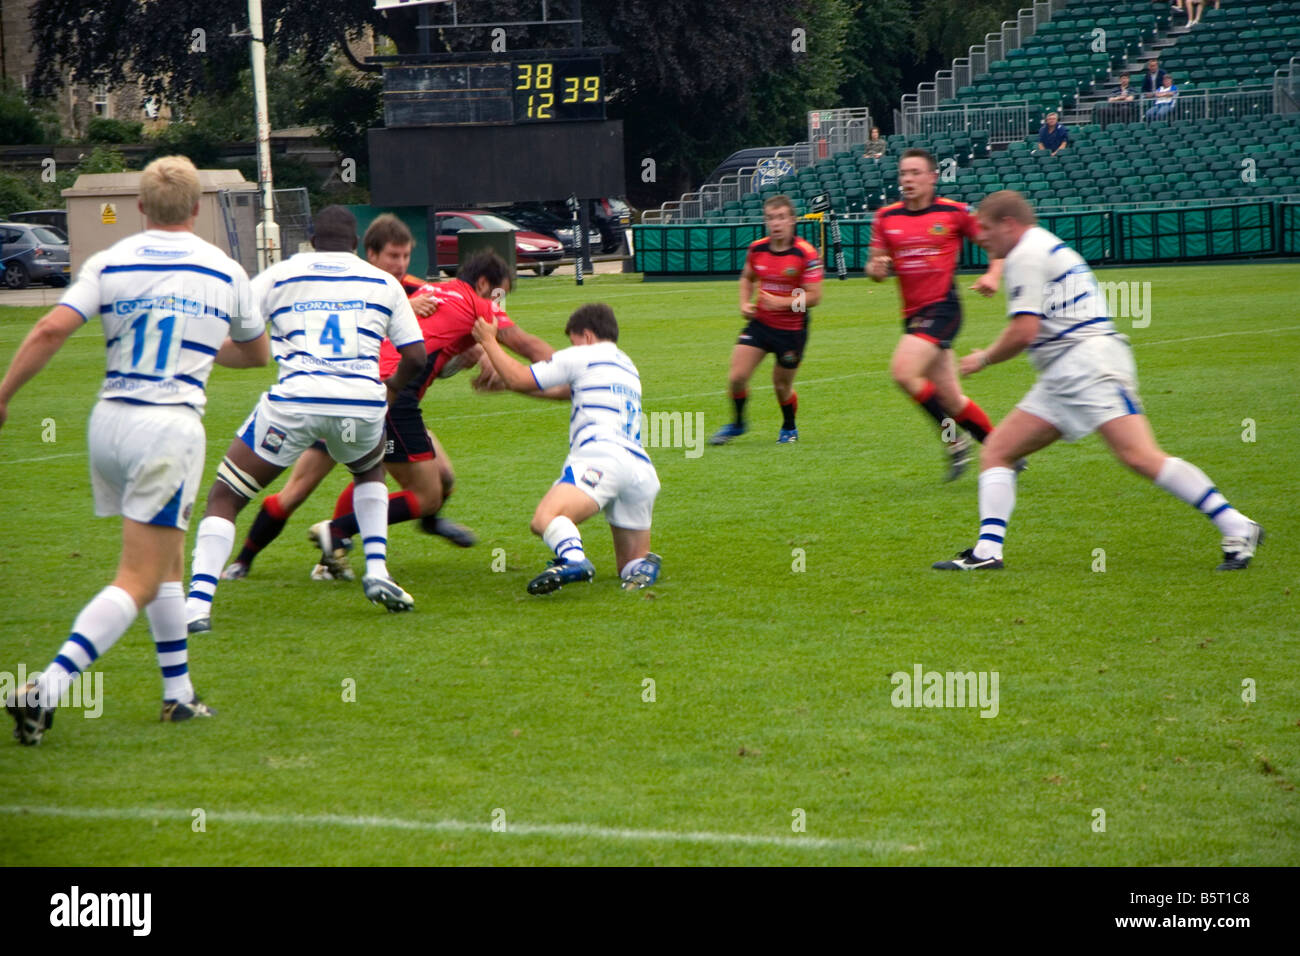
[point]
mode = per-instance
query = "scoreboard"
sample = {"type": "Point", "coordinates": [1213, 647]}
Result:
{"type": "Point", "coordinates": [495, 93]}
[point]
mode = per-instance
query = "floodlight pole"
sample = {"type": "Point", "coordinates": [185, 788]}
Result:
{"type": "Point", "coordinates": [268, 233]}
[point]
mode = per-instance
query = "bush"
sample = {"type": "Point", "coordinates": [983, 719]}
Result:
{"type": "Point", "coordinates": [186, 139]}
{"type": "Point", "coordinates": [15, 195]}
{"type": "Point", "coordinates": [114, 131]}
{"type": "Point", "coordinates": [103, 159]}
{"type": "Point", "coordinates": [19, 124]}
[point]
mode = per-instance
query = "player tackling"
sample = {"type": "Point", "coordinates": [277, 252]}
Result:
{"type": "Point", "coordinates": [1087, 382]}
{"type": "Point", "coordinates": [607, 468]}
{"type": "Point", "coordinates": [171, 306]}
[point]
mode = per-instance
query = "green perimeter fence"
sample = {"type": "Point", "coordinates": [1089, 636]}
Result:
{"type": "Point", "coordinates": [1103, 237]}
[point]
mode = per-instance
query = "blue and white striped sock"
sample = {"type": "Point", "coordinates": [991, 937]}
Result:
{"type": "Point", "coordinates": [167, 622]}
{"type": "Point", "coordinates": [212, 546]}
{"type": "Point", "coordinates": [997, 501]}
{"type": "Point", "coordinates": [562, 537]}
{"type": "Point", "coordinates": [370, 503]}
{"type": "Point", "coordinates": [1188, 483]}
{"type": "Point", "coordinates": [96, 629]}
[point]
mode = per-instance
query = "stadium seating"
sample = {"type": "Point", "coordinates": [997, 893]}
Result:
{"type": "Point", "coordinates": [1234, 45]}
{"type": "Point", "coordinates": [1122, 163]}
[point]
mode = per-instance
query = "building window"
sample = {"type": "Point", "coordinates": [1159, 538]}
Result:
{"type": "Point", "coordinates": [100, 102]}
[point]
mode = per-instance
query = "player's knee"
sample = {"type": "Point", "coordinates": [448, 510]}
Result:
{"type": "Point", "coordinates": [541, 520]}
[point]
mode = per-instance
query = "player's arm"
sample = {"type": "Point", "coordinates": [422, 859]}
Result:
{"type": "Point", "coordinates": [522, 343]}
{"type": "Point", "coordinates": [40, 345]}
{"type": "Point", "coordinates": [412, 362]}
{"type": "Point", "coordinates": [987, 284]}
{"type": "Point", "coordinates": [516, 377]}
{"type": "Point", "coordinates": [1015, 338]}
{"type": "Point", "coordinates": [748, 277]}
{"type": "Point", "coordinates": [253, 353]}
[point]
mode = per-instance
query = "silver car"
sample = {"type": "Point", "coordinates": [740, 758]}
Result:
{"type": "Point", "coordinates": [32, 253]}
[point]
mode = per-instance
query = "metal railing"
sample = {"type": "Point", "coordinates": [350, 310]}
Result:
{"type": "Point", "coordinates": [1006, 122]}
{"type": "Point", "coordinates": [1189, 105]}
{"type": "Point", "coordinates": [1286, 87]}
{"type": "Point", "coordinates": [834, 131]}
{"type": "Point", "coordinates": [978, 58]}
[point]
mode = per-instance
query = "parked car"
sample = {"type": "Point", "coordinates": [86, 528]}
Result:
{"type": "Point", "coordinates": [610, 216]}
{"type": "Point", "coordinates": [32, 253]}
{"type": "Point", "coordinates": [537, 218]}
{"type": "Point", "coordinates": [532, 249]}
{"type": "Point", "coordinates": [54, 218]}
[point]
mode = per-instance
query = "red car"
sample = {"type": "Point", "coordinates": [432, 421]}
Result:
{"type": "Point", "coordinates": [532, 249]}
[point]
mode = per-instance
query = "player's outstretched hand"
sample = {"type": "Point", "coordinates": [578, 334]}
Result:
{"type": "Point", "coordinates": [880, 267]}
{"type": "Point", "coordinates": [484, 331]}
{"type": "Point", "coordinates": [985, 286]}
{"type": "Point", "coordinates": [488, 380]}
{"type": "Point", "coordinates": [970, 364]}
{"type": "Point", "coordinates": [424, 305]}
{"type": "Point", "coordinates": [749, 309]}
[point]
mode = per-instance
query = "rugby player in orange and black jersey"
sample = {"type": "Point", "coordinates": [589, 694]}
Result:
{"type": "Point", "coordinates": [786, 273]}
{"type": "Point", "coordinates": [919, 240]}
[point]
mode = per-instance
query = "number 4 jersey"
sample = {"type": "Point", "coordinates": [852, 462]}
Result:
{"type": "Point", "coordinates": [167, 300]}
{"type": "Point", "coordinates": [329, 313]}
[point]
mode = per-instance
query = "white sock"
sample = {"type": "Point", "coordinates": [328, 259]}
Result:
{"type": "Point", "coordinates": [212, 546]}
{"type": "Point", "coordinates": [997, 501]}
{"type": "Point", "coordinates": [370, 503]}
{"type": "Point", "coordinates": [96, 629]}
{"type": "Point", "coordinates": [562, 537]}
{"type": "Point", "coordinates": [167, 621]}
{"type": "Point", "coordinates": [1188, 483]}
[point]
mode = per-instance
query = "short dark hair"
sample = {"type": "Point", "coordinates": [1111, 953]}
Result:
{"type": "Point", "coordinates": [595, 317]}
{"type": "Point", "coordinates": [387, 229]}
{"type": "Point", "coordinates": [484, 264]}
{"type": "Point", "coordinates": [918, 152]}
{"type": "Point", "coordinates": [334, 229]}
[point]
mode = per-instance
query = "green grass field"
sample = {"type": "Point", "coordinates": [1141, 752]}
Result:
{"type": "Point", "coordinates": [1119, 690]}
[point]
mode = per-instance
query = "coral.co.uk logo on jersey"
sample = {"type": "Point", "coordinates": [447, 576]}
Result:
{"type": "Point", "coordinates": [328, 267]}
{"type": "Point", "coordinates": [154, 252]}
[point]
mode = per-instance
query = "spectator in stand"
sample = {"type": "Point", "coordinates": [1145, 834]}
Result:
{"type": "Point", "coordinates": [1153, 78]}
{"type": "Point", "coordinates": [1165, 98]}
{"type": "Point", "coordinates": [1119, 106]}
{"type": "Point", "coordinates": [1194, 10]}
{"type": "Point", "coordinates": [875, 146]}
{"type": "Point", "coordinates": [1053, 136]}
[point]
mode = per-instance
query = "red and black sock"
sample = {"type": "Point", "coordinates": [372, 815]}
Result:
{"type": "Point", "coordinates": [429, 523]}
{"type": "Point", "coordinates": [268, 524]}
{"type": "Point", "coordinates": [788, 408]}
{"type": "Point", "coordinates": [739, 398]}
{"type": "Point", "coordinates": [927, 399]}
{"type": "Point", "coordinates": [344, 505]}
{"type": "Point", "coordinates": [402, 506]}
{"type": "Point", "coordinates": [973, 419]}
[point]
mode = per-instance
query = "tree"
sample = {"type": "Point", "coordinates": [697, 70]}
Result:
{"type": "Point", "coordinates": [19, 124]}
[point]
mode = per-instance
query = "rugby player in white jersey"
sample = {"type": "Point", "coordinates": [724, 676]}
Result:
{"type": "Point", "coordinates": [171, 305]}
{"type": "Point", "coordinates": [1086, 382]}
{"type": "Point", "coordinates": [607, 469]}
{"type": "Point", "coordinates": [329, 312]}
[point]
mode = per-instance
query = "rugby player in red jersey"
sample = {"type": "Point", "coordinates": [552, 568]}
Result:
{"type": "Point", "coordinates": [919, 240]}
{"type": "Point", "coordinates": [786, 272]}
{"type": "Point", "coordinates": [416, 460]}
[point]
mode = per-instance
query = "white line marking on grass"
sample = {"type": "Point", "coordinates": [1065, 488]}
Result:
{"type": "Point", "coordinates": [1220, 335]}
{"type": "Point", "coordinates": [28, 461]}
{"type": "Point", "coordinates": [562, 830]}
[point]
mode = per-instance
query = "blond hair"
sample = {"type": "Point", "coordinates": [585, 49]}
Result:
{"type": "Point", "coordinates": [169, 190]}
{"type": "Point", "coordinates": [1007, 204]}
